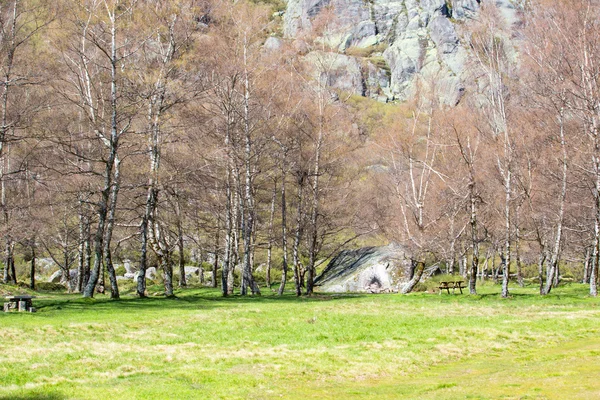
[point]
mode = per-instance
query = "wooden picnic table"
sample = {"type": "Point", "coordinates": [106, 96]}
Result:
{"type": "Point", "coordinates": [451, 285]}
{"type": "Point", "coordinates": [20, 302]}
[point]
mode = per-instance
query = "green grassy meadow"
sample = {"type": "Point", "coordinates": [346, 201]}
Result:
{"type": "Point", "coordinates": [203, 346]}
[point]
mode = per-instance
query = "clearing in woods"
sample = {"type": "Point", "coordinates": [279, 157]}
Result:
{"type": "Point", "coordinates": [425, 346]}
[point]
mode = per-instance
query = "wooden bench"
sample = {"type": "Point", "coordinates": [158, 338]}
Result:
{"type": "Point", "coordinates": [451, 285]}
{"type": "Point", "coordinates": [19, 302]}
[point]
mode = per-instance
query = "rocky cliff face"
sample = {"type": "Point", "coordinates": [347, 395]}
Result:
{"type": "Point", "coordinates": [381, 47]}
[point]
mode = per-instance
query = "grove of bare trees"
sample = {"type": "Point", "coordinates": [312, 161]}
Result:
{"type": "Point", "coordinates": [173, 133]}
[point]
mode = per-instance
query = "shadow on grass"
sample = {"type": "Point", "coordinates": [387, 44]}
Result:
{"type": "Point", "coordinates": [202, 298]}
{"type": "Point", "coordinates": [191, 299]}
{"type": "Point", "coordinates": [34, 395]}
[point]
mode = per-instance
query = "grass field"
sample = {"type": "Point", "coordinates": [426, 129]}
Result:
{"type": "Point", "coordinates": [202, 346]}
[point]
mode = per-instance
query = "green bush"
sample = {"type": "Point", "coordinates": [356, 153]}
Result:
{"type": "Point", "coordinates": [23, 285]}
{"type": "Point", "coordinates": [49, 287]}
{"type": "Point", "coordinates": [364, 52]}
{"type": "Point", "coordinates": [129, 285]}
{"type": "Point", "coordinates": [207, 266]}
{"type": "Point", "coordinates": [568, 275]}
{"type": "Point", "coordinates": [421, 287]}
{"type": "Point", "coordinates": [276, 5]}
{"type": "Point", "coordinates": [432, 284]}
{"type": "Point", "coordinates": [120, 270]}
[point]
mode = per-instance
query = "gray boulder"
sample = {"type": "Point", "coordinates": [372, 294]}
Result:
{"type": "Point", "coordinates": [45, 265]}
{"type": "Point", "coordinates": [129, 267]}
{"type": "Point", "coordinates": [57, 276]}
{"type": "Point", "coordinates": [70, 282]}
{"type": "Point", "coordinates": [192, 270]}
{"type": "Point", "coordinates": [193, 273]}
{"type": "Point", "coordinates": [150, 274]}
{"type": "Point", "coordinates": [369, 269]}
{"type": "Point", "coordinates": [273, 43]}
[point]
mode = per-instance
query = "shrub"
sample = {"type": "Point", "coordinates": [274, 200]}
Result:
{"type": "Point", "coordinates": [422, 287]}
{"type": "Point", "coordinates": [120, 270]}
{"type": "Point", "coordinates": [49, 287]}
{"type": "Point", "coordinates": [432, 284]}
{"type": "Point", "coordinates": [207, 266]}
{"type": "Point", "coordinates": [129, 285]}
{"type": "Point", "coordinates": [23, 285]}
{"type": "Point", "coordinates": [364, 52]}
{"type": "Point", "coordinates": [381, 63]}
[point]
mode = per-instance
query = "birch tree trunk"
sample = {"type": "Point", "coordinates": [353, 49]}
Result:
{"type": "Point", "coordinates": [554, 258]}
{"type": "Point", "coordinates": [99, 234]}
{"type": "Point", "coordinates": [156, 108]}
{"type": "Point", "coordinates": [180, 249]}
{"type": "Point", "coordinates": [468, 154]}
{"type": "Point", "coordinates": [270, 233]}
{"type": "Point", "coordinates": [235, 241]}
{"type": "Point", "coordinates": [230, 207]}
{"type": "Point", "coordinates": [87, 250]}
{"type": "Point", "coordinates": [81, 250]}
{"type": "Point", "coordinates": [496, 269]}
{"type": "Point", "coordinates": [314, 215]}
{"type": "Point", "coordinates": [167, 266]}
{"type": "Point", "coordinates": [474, 237]}
{"type": "Point", "coordinates": [490, 51]}
{"type": "Point", "coordinates": [418, 268]}
{"type": "Point", "coordinates": [9, 43]}
{"type": "Point", "coordinates": [11, 259]}
{"type": "Point", "coordinates": [507, 233]}
{"type": "Point", "coordinates": [451, 260]}
{"type": "Point", "coordinates": [116, 184]}
{"type": "Point", "coordinates": [594, 274]}
{"type": "Point", "coordinates": [180, 242]}
{"type": "Point", "coordinates": [541, 262]}
{"type": "Point", "coordinates": [163, 250]}
{"type": "Point", "coordinates": [587, 264]}
{"type": "Point", "coordinates": [248, 210]}
{"type": "Point", "coordinates": [144, 227]}
{"type": "Point", "coordinates": [518, 246]}
{"type": "Point", "coordinates": [215, 269]}
{"type": "Point", "coordinates": [109, 194]}
{"type": "Point", "coordinates": [7, 275]}
{"type": "Point", "coordinates": [152, 191]}
{"type": "Point", "coordinates": [298, 276]}
{"type": "Point", "coordinates": [229, 226]}
{"type": "Point", "coordinates": [284, 266]}
{"type": "Point", "coordinates": [32, 266]}
{"type": "Point", "coordinates": [5, 166]}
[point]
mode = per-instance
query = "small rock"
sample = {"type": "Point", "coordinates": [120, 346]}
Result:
{"type": "Point", "coordinates": [273, 43]}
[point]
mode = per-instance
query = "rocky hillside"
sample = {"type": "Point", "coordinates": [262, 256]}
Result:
{"type": "Point", "coordinates": [381, 47]}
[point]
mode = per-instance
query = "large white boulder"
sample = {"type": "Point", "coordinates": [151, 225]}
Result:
{"type": "Point", "coordinates": [369, 269]}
